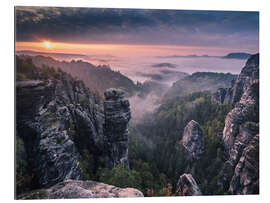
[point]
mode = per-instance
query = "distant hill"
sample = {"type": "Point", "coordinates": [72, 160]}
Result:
{"type": "Point", "coordinates": [200, 81]}
{"type": "Point", "coordinates": [186, 56]}
{"type": "Point", "coordinates": [162, 65]}
{"type": "Point", "coordinates": [97, 78]}
{"type": "Point", "coordinates": [239, 55]}
{"type": "Point", "coordinates": [235, 55]}
{"type": "Point", "coordinates": [56, 55]}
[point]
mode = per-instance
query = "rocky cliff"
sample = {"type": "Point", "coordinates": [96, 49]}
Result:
{"type": "Point", "coordinates": [241, 133]}
{"type": "Point", "coordinates": [187, 186]}
{"type": "Point", "coordinates": [43, 126]}
{"type": "Point", "coordinates": [58, 119]}
{"type": "Point", "coordinates": [248, 75]}
{"type": "Point", "coordinates": [71, 189]}
{"type": "Point", "coordinates": [193, 141]}
{"type": "Point", "coordinates": [245, 179]}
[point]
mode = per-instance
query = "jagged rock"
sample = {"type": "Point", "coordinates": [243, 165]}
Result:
{"type": "Point", "coordinates": [246, 175]}
{"type": "Point", "coordinates": [246, 110]}
{"type": "Point", "coordinates": [246, 94]}
{"type": "Point", "coordinates": [249, 74]}
{"type": "Point", "coordinates": [247, 132]}
{"type": "Point", "coordinates": [241, 128]}
{"type": "Point", "coordinates": [52, 116]}
{"type": "Point", "coordinates": [117, 115]}
{"type": "Point", "coordinates": [187, 186]}
{"type": "Point", "coordinates": [58, 118]}
{"type": "Point", "coordinates": [193, 140]}
{"type": "Point", "coordinates": [71, 189]}
{"type": "Point", "coordinates": [41, 124]}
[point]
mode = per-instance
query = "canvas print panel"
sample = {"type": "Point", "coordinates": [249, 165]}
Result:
{"type": "Point", "coordinates": [136, 102]}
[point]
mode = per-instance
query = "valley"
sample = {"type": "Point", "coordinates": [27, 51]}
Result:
{"type": "Point", "coordinates": [76, 120]}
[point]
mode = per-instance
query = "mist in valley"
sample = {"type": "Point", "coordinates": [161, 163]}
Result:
{"type": "Point", "coordinates": [152, 77]}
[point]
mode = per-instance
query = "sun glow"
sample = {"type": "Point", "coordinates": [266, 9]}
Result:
{"type": "Point", "coordinates": [47, 44]}
{"type": "Point", "coordinates": [116, 49]}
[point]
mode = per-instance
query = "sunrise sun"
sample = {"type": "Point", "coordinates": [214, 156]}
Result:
{"type": "Point", "coordinates": [47, 44]}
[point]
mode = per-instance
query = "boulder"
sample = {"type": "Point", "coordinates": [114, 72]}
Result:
{"type": "Point", "coordinates": [187, 186]}
{"type": "Point", "coordinates": [193, 140]}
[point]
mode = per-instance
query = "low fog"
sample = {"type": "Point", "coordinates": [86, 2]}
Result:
{"type": "Point", "coordinates": [140, 106]}
{"type": "Point", "coordinates": [156, 75]}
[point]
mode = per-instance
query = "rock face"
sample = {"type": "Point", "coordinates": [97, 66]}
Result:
{"type": "Point", "coordinates": [240, 133]}
{"type": "Point", "coordinates": [246, 177]}
{"type": "Point", "coordinates": [117, 116]}
{"type": "Point", "coordinates": [246, 110]}
{"type": "Point", "coordinates": [193, 140]}
{"type": "Point", "coordinates": [187, 186]}
{"type": "Point", "coordinates": [56, 118]}
{"type": "Point", "coordinates": [248, 75]}
{"type": "Point", "coordinates": [42, 126]}
{"type": "Point", "coordinates": [71, 189]}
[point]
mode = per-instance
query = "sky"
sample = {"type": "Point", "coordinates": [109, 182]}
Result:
{"type": "Point", "coordinates": [136, 31]}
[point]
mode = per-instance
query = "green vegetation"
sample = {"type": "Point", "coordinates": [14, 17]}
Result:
{"type": "Point", "coordinates": [165, 132]}
{"type": "Point", "coordinates": [120, 176]}
{"type": "Point", "coordinates": [140, 177]}
{"type": "Point", "coordinates": [156, 157]}
{"type": "Point", "coordinates": [25, 179]}
{"type": "Point", "coordinates": [72, 127]}
{"type": "Point", "coordinates": [26, 70]}
{"type": "Point", "coordinates": [97, 78]}
{"type": "Point", "coordinates": [88, 165]}
{"type": "Point", "coordinates": [200, 81]}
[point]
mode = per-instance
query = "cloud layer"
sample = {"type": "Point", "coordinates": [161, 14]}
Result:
{"type": "Point", "coordinates": [138, 26]}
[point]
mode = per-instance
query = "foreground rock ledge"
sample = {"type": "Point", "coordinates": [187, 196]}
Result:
{"type": "Point", "coordinates": [71, 189]}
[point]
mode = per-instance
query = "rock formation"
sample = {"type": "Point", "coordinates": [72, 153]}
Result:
{"type": "Point", "coordinates": [70, 189]}
{"type": "Point", "coordinates": [58, 118]}
{"type": "Point", "coordinates": [193, 140]}
{"type": "Point", "coordinates": [241, 128]}
{"type": "Point", "coordinates": [117, 115]}
{"type": "Point", "coordinates": [246, 110]}
{"type": "Point", "coordinates": [42, 125]}
{"type": "Point", "coordinates": [246, 177]}
{"type": "Point", "coordinates": [187, 186]}
{"type": "Point", "coordinates": [248, 75]}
